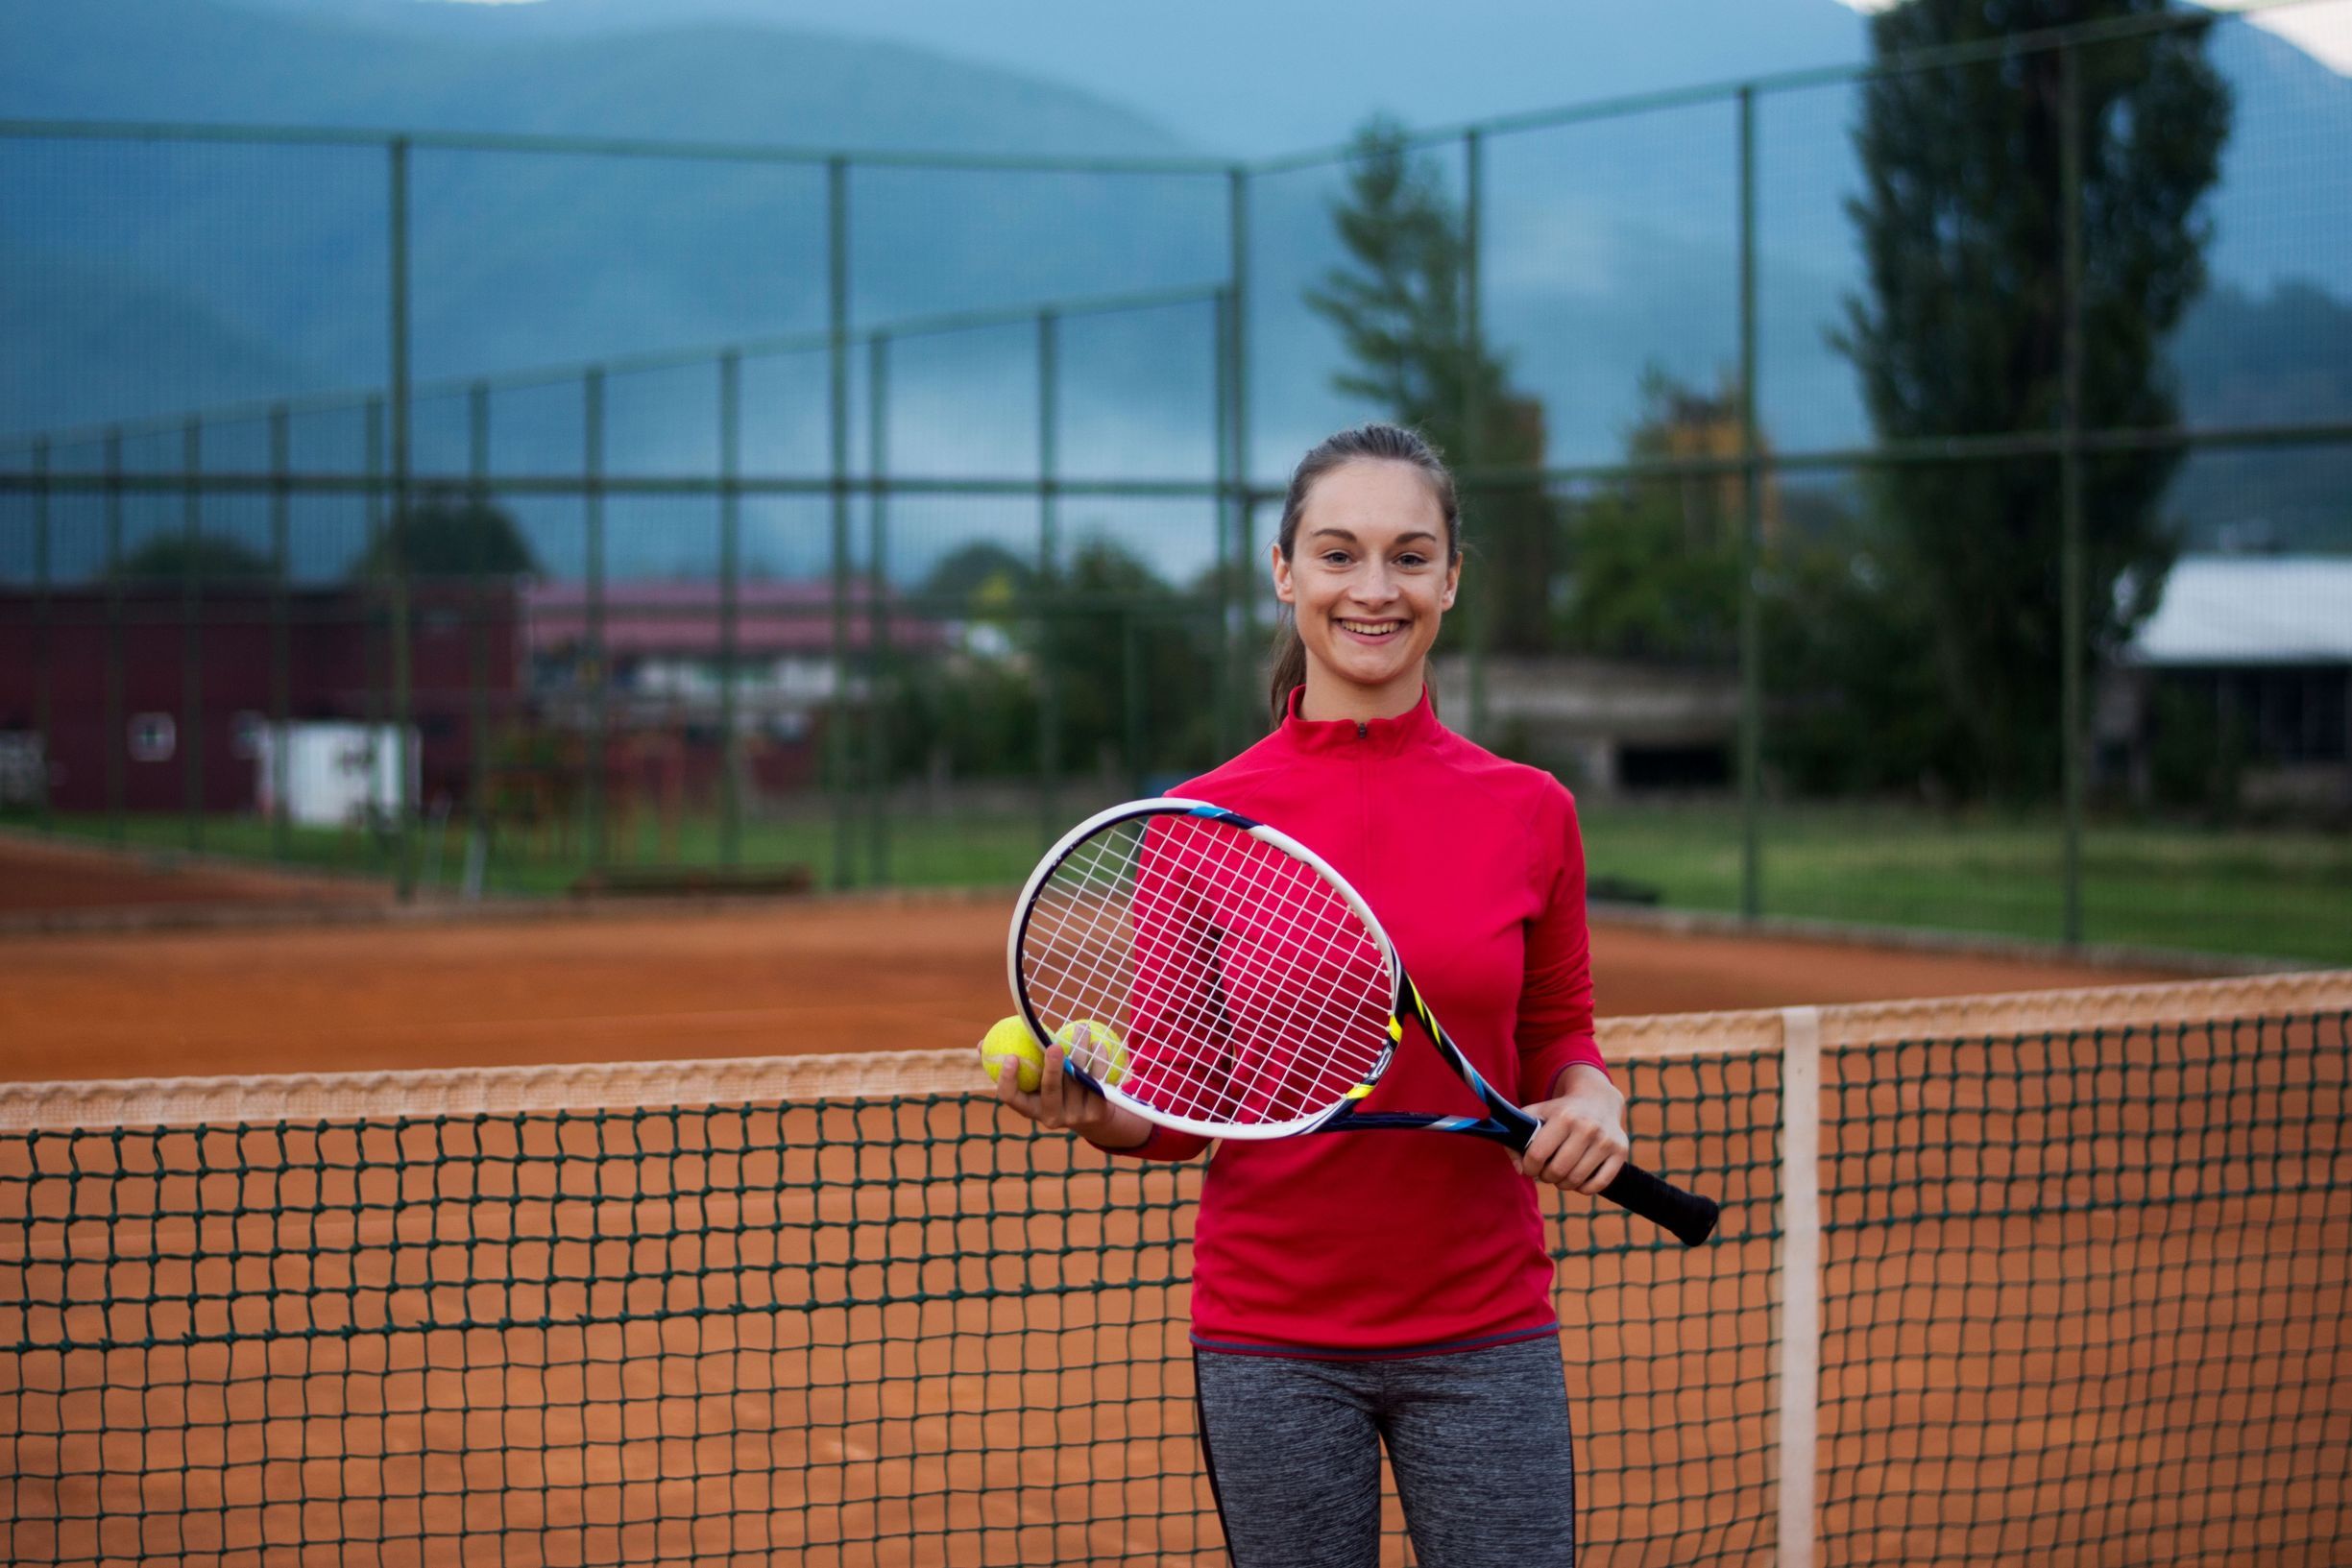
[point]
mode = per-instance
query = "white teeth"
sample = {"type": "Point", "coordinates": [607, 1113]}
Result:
{"type": "Point", "coordinates": [1372, 628]}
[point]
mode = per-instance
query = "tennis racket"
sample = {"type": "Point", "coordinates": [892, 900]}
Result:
{"type": "Point", "coordinates": [1214, 975]}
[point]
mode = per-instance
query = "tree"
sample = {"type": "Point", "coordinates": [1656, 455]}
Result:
{"type": "Point", "coordinates": [980, 576]}
{"type": "Point", "coordinates": [210, 558]}
{"type": "Point", "coordinates": [447, 533]}
{"type": "Point", "coordinates": [1400, 309]}
{"type": "Point", "coordinates": [1963, 328]}
{"type": "Point", "coordinates": [1657, 560]}
{"type": "Point", "coordinates": [1076, 627]}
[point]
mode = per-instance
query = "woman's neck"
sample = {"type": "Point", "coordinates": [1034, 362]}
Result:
{"type": "Point", "coordinates": [1327, 699]}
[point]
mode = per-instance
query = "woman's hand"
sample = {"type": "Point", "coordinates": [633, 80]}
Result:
{"type": "Point", "coordinates": [1581, 1146]}
{"type": "Point", "coordinates": [1061, 1102]}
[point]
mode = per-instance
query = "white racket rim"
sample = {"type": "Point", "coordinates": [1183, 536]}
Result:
{"type": "Point", "coordinates": [1178, 806]}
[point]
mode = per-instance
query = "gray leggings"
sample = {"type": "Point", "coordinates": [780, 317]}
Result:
{"type": "Point", "coordinates": [1478, 1439]}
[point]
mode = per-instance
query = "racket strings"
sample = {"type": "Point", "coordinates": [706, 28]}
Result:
{"type": "Point", "coordinates": [1276, 903]}
{"type": "Point", "coordinates": [1246, 990]}
{"type": "Point", "coordinates": [1203, 1054]}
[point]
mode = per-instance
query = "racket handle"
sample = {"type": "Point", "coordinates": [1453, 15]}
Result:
{"type": "Point", "coordinates": [1686, 1217]}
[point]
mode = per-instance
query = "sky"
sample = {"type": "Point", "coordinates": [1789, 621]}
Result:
{"type": "Point", "coordinates": [2322, 28]}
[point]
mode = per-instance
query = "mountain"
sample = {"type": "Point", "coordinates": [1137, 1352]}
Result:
{"type": "Point", "coordinates": [145, 279]}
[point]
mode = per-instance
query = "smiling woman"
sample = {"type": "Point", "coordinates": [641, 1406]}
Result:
{"type": "Point", "coordinates": [1313, 1350]}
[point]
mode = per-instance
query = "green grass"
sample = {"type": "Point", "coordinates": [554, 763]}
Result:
{"type": "Point", "coordinates": [942, 852]}
{"type": "Point", "coordinates": [2283, 893]}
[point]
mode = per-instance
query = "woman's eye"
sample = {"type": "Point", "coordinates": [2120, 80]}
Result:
{"type": "Point", "coordinates": [1334, 558]}
{"type": "Point", "coordinates": [1411, 560]}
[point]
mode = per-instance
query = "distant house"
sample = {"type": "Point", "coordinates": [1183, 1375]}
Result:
{"type": "Point", "coordinates": [2241, 680]}
{"type": "Point", "coordinates": [114, 671]}
{"type": "Point", "coordinates": [666, 645]}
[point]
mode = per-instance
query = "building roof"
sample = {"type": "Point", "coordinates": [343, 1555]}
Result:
{"type": "Point", "coordinates": [2250, 609]}
{"type": "Point", "coordinates": [682, 619]}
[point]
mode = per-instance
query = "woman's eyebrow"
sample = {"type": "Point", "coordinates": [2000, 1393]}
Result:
{"type": "Point", "coordinates": [1417, 536]}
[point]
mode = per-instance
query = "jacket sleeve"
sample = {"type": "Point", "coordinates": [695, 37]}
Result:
{"type": "Point", "coordinates": [1555, 1023]}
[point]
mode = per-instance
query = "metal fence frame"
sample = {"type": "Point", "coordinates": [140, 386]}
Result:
{"type": "Point", "coordinates": [1235, 487]}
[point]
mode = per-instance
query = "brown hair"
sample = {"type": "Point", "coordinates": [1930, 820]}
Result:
{"type": "Point", "coordinates": [1384, 443]}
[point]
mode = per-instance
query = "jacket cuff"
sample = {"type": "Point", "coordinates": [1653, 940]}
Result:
{"type": "Point", "coordinates": [1164, 1144]}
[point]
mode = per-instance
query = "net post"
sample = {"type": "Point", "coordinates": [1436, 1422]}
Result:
{"type": "Point", "coordinates": [1798, 1281]}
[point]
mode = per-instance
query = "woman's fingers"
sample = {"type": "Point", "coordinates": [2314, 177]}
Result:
{"type": "Point", "coordinates": [1576, 1149]}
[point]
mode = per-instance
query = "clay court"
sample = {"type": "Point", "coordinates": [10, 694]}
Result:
{"type": "Point", "coordinates": [197, 969]}
{"type": "Point", "coordinates": [2082, 1287]}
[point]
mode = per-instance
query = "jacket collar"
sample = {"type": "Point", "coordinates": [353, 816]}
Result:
{"type": "Point", "coordinates": [1416, 726]}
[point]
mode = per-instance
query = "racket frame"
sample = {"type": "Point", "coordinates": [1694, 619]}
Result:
{"type": "Point", "coordinates": [1688, 1218]}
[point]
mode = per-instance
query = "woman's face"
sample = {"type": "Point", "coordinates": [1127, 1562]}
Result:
{"type": "Point", "coordinates": [1369, 580]}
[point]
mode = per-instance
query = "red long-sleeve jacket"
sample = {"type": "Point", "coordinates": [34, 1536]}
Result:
{"type": "Point", "coordinates": [1387, 1244]}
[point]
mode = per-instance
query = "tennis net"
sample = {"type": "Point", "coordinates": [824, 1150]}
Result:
{"type": "Point", "coordinates": [2063, 1274]}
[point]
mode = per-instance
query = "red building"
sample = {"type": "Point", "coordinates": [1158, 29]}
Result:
{"type": "Point", "coordinates": [154, 699]}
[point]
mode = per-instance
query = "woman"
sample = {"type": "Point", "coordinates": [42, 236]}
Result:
{"type": "Point", "coordinates": [1360, 1290]}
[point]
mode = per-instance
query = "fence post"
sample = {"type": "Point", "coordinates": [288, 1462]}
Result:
{"type": "Point", "coordinates": [730, 603]}
{"type": "Point", "coordinates": [403, 695]}
{"type": "Point", "coordinates": [878, 655]}
{"type": "Point", "coordinates": [599, 665]}
{"type": "Point", "coordinates": [1229, 563]}
{"type": "Point", "coordinates": [1481, 598]}
{"type": "Point", "coordinates": [1799, 1282]}
{"type": "Point", "coordinates": [477, 780]}
{"type": "Point", "coordinates": [836, 300]}
{"type": "Point", "coordinates": [1237, 228]}
{"type": "Point", "coordinates": [116, 740]}
{"type": "Point", "coordinates": [191, 630]}
{"type": "Point", "coordinates": [1132, 697]}
{"type": "Point", "coordinates": [44, 701]}
{"type": "Point", "coordinates": [1048, 603]}
{"type": "Point", "coordinates": [2070, 573]}
{"type": "Point", "coordinates": [1750, 542]}
{"type": "Point", "coordinates": [371, 700]}
{"type": "Point", "coordinates": [282, 632]}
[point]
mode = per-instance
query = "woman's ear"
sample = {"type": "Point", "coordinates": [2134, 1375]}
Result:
{"type": "Point", "coordinates": [1283, 591]}
{"type": "Point", "coordinates": [1453, 581]}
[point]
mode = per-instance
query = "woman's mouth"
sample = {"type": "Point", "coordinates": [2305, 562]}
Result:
{"type": "Point", "coordinates": [1373, 630]}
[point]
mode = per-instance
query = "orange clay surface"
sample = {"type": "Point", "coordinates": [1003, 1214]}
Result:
{"type": "Point", "coordinates": [878, 1333]}
{"type": "Point", "coordinates": [44, 878]}
{"type": "Point", "coordinates": [843, 975]}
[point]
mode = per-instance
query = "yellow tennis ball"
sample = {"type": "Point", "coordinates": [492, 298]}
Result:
{"type": "Point", "coordinates": [1008, 1040]}
{"type": "Point", "coordinates": [1094, 1045]}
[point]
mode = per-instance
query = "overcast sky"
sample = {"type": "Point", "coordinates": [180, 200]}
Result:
{"type": "Point", "coordinates": [2323, 28]}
